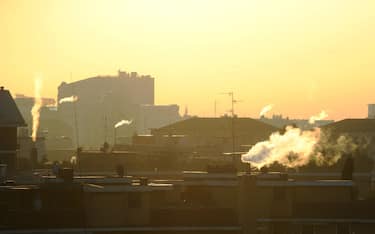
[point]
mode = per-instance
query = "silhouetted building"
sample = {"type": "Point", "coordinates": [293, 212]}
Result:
{"type": "Point", "coordinates": [272, 204]}
{"type": "Point", "coordinates": [361, 131]}
{"type": "Point", "coordinates": [102, 102]}
{"type": "Point", "coordinates": [156, 116]}
{"type": "Point", "coordinates": [97, 204]}
{"type": "Point", "coordinates": [196, 202]}
{"type": "Point", "coordinates": [216, 134]}
{"type": "Point", "coordinates": [10, 120]}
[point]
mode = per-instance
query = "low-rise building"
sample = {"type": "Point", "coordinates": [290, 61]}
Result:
{"type": "Point", "coordinates": [272, 203]}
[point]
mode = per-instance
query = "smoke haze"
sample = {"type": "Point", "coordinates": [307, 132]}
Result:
{"type": "Point", "coordinates": [265, 110]}
{"type": "Point", "coordinates": [35, 111]}
{"type": "Point", "coordinates": [291, 149]}
{"type": "Point", "coordinates": [122, 122]}
{"type": "Point", "coordinates": [296, 148]}
{"type": "Point", "coordinates": [68, 99]}
{"type": "Point", "coordinates": [322, 115]}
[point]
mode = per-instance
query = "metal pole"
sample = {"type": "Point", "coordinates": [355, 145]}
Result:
{"type": "Point", "coordinates": [76, 126]}
{"type": "Point", "coordinates": [233, 130]}
{"type": "Point", "coordinates": [114, 140]}
{"type": "Point", "coordinates": [232, 112]}
{"type": "Point", "coordinates": [105, 128]}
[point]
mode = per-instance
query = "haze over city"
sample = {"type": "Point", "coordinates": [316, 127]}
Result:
{"type": "Point", "coordinates": [301, 56]}
{"type": "Point", "coordinates": [187, 116]}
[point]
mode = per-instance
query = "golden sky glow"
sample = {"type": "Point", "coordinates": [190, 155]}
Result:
{"type": "Point", "coordinates": [301, 56]}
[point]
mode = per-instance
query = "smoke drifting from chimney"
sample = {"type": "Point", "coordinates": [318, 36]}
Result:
{"type": "Point", "coordinates": [73, 160]}
{"type": "Point", "coordinates": [320, 116]}
{"type": "Point", "coordinates": [68, 99]}
{"type": "Point", "coordinates": [35, 111]}
{"type": "Point", "coordinates": [296, 148]}
{"type": "Point", "coordinates": [122, 122]}
{"type": "Point", "coordinates": [291, 149]}
{"type": "Point", "coordinates": [265, 109]}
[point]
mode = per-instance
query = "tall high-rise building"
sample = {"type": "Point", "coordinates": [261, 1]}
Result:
{"type": "Point", "coordinates": [102, 101]}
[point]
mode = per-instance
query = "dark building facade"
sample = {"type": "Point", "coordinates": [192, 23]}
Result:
{"type": "Point", "coordinates": [217, 133]}
{"type": "Point", "coordinates": [10, 120]}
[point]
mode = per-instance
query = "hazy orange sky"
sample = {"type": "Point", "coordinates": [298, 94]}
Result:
{"type": "Point", "coordinates": [301, 56]}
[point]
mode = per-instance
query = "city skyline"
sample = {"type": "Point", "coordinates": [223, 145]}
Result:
{"type": "Point", "coordinates": [293, 54]}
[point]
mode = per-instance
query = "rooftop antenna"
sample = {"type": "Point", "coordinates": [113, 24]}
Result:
{"type": "Point", "coordinates": [76, 124]}
{"type": "Point", "coordinates": [186, 111]}
{"type": "Point", "coordinates": [233, 101]}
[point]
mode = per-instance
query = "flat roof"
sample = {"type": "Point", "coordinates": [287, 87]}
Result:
{"type": "Point", "coordinates": [17, 187]}
{"type": "Point", "coordinates": [92, 179]}
{"type": "Point", "coordinates": [126, 188]}
{"type": "Point", "coordinates": [316, 183]}
{"type": "Point", "coordinates": [200, 182]}
{"type": "Point", "coordinates": [205, 174]}
{"type": "Point", "coordinates": [129, 229]}
{"type": "Point", "coordinates": [212, 183]}
{"type": "Point", "coordinates": [315, 221]}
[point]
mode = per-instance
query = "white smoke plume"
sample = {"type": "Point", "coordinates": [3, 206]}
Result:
{"type": "Point", "coordinates": [296, 148]}
{"type": "Point", "coordinates": [320, 116]}
{"type": "Point", "coordinates": [35, 111]}
{"type": "Point", "coordinates": [73, 160]}
{"type": "Point", "coordinates": [122, 122]}
{"type": "Point", "coordinates": [265, 109]}
{"type": "Point", "coordinates": [291, 149]}
{"type": "Point", "coordinates": [68, 99]}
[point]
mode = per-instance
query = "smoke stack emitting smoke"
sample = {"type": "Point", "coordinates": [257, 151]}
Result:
{"type": "Point", "coordinates": [122, 122]}
{"type": "Point", "coordinates": [68, 99]}
{"type": "Point", "coordinates": [35, 111]}
{"type": "Point", "coordinates": [297, 148]}
{"type": "Point", "coordinates": [320, 116]}
{"type": "Point", "coordinates": [265, 109]}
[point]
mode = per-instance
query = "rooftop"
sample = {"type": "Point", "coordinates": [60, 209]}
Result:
{"type": "Point", "coordinates": [211, 126]}
{"type": "Point", "coordinates": [352, 125]}
{"type": "Point", "coordinates": [316, 183]}
{"type": "Point", "coordinates": [10, 116]}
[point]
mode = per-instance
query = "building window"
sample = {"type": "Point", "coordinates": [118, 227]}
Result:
{"type": "Point", "coordinates": [134, 200]}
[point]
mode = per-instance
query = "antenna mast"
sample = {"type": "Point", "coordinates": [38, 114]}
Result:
{"type": "Point", "coordinates": [231, 94]}
{"type": "Point", "coordinates": [76, 124]}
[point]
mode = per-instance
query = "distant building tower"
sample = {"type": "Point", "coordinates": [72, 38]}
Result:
{"type": "Point", "coordinates": [371, 111]}
{"type": "Point", "coordinates": [103, 100]}
{"type": "Point", "coordinates": [10, 120]}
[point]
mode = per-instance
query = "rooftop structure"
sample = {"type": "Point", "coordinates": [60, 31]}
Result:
{"type": "Point", "coordinates": [10, 116]}
{"type": "Point", "coordinates": [10, 120]}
